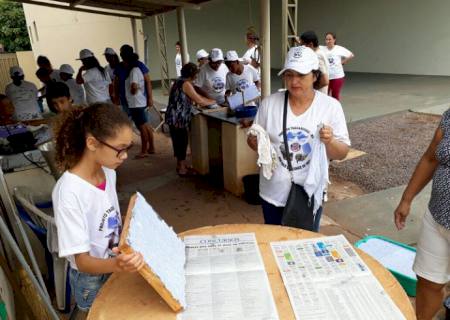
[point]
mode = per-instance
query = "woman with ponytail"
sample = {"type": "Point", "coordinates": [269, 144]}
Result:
{"type": "Point", "coordinates": [90, 144]}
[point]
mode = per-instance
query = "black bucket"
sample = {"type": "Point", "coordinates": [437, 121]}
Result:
{"type": "Point", "coordinates": [251, 189]}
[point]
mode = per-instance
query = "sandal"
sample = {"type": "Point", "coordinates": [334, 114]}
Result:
{"type": "Point", "coordinates": [141, 156]}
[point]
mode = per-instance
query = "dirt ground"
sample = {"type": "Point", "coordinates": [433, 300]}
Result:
{"type": "Point", "coordinates": [393, 143]}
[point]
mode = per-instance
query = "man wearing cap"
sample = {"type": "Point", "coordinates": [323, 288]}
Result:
{"type": "Point", "coordinates": [76, 90]}
{"type": "Point", "coordinates": [24, 96]}
{"type": "Point", "coordinates": [311, 119]}
{"type": "Point", "coordinates": [240, 76]}
{"type": "Point", "coordinates": [113, 60]}
{"type": "Point", "coordinates": [121, 75]}
{"type": "Point", "coordinates": [211, 79]}
{"type": "Point", "coordinates": [202, 57]}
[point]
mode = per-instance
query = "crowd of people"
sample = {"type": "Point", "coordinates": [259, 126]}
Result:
{"type": "Point", "coordinates": [303, 128]}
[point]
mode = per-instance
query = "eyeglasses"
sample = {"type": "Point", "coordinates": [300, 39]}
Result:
{"type": "Point", "coordinates": [120, 152]}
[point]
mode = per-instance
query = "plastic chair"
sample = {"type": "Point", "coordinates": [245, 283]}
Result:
{"type": "Point", "coordinates": [40, 223]}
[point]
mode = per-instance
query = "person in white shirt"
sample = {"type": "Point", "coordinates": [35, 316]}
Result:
{"type": "Point", "coordinates": [252, 55]}
{"type": "Point", "coordinates": [307, 110]}
{"type": "Point", "coordinates": [113, 61]}
{"type": "Point", "coordinates": [76, 90]}
{"type": "Point", "coordinates": [211, 79]}
{"type": "Point", "coordinates": [24, 96]}
{"type": "Point", "coordinates": [94, 78]}
{"type": "Point", "coordinates": [309, 39]}
{"type": "Point", "coordinates": [337, 57]}
{"type": "Point", "coordinates": [241, 76]}
{"type": "Point", "coordinates": [90, 144]}
{"type": "Point", "coordinates": [202, 57]}
{"type": "Point", "coordinates": [137, 103]}
{"type": "Point", "coordinates": [44, 62]}
{"type": "Point", "coordinates": [178, 59]}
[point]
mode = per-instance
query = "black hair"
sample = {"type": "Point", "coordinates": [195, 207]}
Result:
{"type": "Point", "coordinates": [318, 74]}
{"type": "Point", "coordinates": [308, 37]}
{"type": "Point", "coordinates": [3, 97]}
{"type": "Point", "coordinates": [41, 72]}
{"type": "Point", "coordinates": [57, 90]}
{"type": "Point", "coordinates": [331, 34]}
{"type": "Point", "coordinates": [126, 50]}
{"type": "Point", "coordinates": [189, 70]}
{"type": "Point", "coordinates": [178, 43]}
{"type": "Point", "coordinates": [101, 120]}
{"type": "Point", "coordinates": [92, 62]}
{"type": "Point", "coordinates": [43, 60]}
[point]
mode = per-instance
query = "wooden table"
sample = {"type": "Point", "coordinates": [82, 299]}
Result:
{"type": "Point", "coordinates": [128, 296]}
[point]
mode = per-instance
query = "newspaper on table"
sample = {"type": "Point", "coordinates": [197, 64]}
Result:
{"type": "Point", "coordinates": [226, 279]}
{"type": "Point", "coordinates": [326, 279]}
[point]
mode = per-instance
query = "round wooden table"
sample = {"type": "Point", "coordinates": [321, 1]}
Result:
{"type": "Point", "coordinates": [129, 296]}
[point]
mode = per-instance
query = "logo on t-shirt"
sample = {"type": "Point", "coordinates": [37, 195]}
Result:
{"type": "Point", "coordinates": [331, 60]}
{"type": "Point", "coordinates": [299, 144]}
{"type": "Point", "coordinates": [111, 226]}
{"type": "Point", "coordinates": [218, 84]}
{"type": "Point", "coordinates": [242, 85]}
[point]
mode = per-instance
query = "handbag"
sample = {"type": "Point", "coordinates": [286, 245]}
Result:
{"type": "Point", "coordinates": [298, 211]}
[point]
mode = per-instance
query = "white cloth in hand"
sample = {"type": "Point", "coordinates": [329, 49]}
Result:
{"type": "Point", "coordinates": [267, 156]}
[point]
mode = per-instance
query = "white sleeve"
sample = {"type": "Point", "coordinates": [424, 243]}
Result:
{"type": "Point", "coordinates": [344, 52]}
{"type": "Point", "coordinates": [228, 82]}
{"type": "Point", "coordinates": [134, 75]}
{"type": "Point", "coordinates": [107, 77]}
{"type": "Point", "coordinates": [73, 234]}
{"type": "Point", "coordinates": [255, 74]}
{"type": "Point", "coordinates": [338, 123]}
{"type": "Point", "coordinates": [261, 115]}
{"type": "Point", "coordinates": [200, 81]}
{"type": "Point", "coordinates": [88, 76]}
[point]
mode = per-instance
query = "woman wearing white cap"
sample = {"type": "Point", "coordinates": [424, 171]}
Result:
{"type": "Point", "coordinates": [95, 79]}
{"type": "Point", "coordinates": [202, 57]}
{"type": "Point", "coordinates": [295, 120]}
{"type": "Point", "coordinates": [212, 77]}
{"type": "Point", "coordinates": [76, 90]}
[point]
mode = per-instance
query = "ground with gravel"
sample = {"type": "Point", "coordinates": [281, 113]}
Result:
{"type": "Point", "coordinates": [393, 143]}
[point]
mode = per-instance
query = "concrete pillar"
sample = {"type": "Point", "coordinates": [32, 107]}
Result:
{"type": "Point", "coordinates": [182, 35]}
{"type": "Point", "coordinates": [265, 46]}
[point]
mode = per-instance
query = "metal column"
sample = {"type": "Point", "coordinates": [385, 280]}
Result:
{"type": "Point", "coordinates": [289, 25]}
{"type": "Point", "coordinates": [265, 47]}
{"type": "Point", "coordinates": [182, 35]}
{"type": "Point", "coordinates": [160, 27]}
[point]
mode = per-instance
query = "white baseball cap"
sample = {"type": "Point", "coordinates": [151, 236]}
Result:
{"type": "Point", "coordinates": [232, 56]}
{"type": "Point", "coordinates": [216, 55]}
{"type": "Point", "coordinates": [202, 54]}
{"type": "Point", "coordinates": [109, 51]}
{"type": "Point", "coordinates": [66, 68]}
{"type": "Point", "coordinates": [16, 71]}
{"type": "Point", "coordinates": [300, 59]}
{"type": "Point", "coordinates": [85, 53]}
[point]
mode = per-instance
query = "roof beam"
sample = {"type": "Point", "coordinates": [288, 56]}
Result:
{"type": "Point", "coordinates": [172, 3]}
{"type": "Point", "coordinates": [77, 3]}
{"type": "Point", "coordinates": [67, 7]}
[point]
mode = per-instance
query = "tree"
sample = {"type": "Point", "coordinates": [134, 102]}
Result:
{"type": "Point", "coordinates": [13, 27]}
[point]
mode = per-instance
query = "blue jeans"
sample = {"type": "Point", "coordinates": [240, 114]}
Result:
{"type": "Point", "coordinates": [273, 214]}
{"type": "Point", "coordinates": [85, 287]}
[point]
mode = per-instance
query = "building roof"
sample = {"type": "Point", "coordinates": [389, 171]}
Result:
{"type": "Point", "coordinates": [130, 8]}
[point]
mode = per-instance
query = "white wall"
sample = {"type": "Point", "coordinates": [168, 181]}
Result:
{"type": "Point", "coordinates": [402, 36]}
{"type": "Point", "coordinates": [61, 34]}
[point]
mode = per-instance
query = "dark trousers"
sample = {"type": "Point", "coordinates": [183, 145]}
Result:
{"type": "Point", "coordinates": [273, 214]}
{"type": "Point", "coordinates": [180, 141]}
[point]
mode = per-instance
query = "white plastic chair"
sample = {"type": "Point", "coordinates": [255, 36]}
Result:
{"type": "Point", "coordinates": [60, 265]}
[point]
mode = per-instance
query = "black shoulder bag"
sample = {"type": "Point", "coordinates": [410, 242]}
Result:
{"type": "Point", "coordinates": [298, 211]}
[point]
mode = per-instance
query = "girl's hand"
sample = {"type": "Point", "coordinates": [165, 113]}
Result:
{"type": "Point", "coordinates": [401, 213]}
{"type": "Point", "coordinates": [326, 134]}
{"type": "Point", "coordinates": [128, 262]}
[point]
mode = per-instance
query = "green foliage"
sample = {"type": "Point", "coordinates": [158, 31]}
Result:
{"type": "Point", "coordinates": [13, 27]}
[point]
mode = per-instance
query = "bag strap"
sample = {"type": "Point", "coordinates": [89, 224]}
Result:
{"type": "Point", "coordinates": [286, 146]}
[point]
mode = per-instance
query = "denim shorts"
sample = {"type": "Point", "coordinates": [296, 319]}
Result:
{"type": "Point", "coordinates": [139, 116]}
{"type": "Point", "coordinates": [85, 287]}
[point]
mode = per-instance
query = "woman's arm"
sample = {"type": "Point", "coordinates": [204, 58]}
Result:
{"type": "Point", "coordinates": [420, 178]}
{"type": "Point", "coordinates": [190, 91]}
{"type": "Point", "coordinates": [347, 59]}
{"type": "Point", "coordinates": [134, 88]}
{"type": "Point", "coordinates": [122, 262]}
{"type": "Point", "coordinates": [149, 89]}
{"type": "Point", "coordinates": [79, 79]}
{"type": "Point", "coordinates": [336, 150]}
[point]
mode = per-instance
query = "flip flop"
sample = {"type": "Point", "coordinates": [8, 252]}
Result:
{"type": "Point", "coordinates": [141, 156]}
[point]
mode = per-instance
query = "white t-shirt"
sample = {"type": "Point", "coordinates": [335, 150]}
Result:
{"type": "Point", "coordinates": [87, 218]}
{"type": "Point", "coordinates": [240, 82]}
{"type": "Point", "coordinates": [96, 85]}
{"type": "Point", "coordinates": [24, 99]}
{"type": "Point", "coordinates": [76, 92]}
{"type": "Point", "coordinates": [300, 133]}
{"type": "Point", "coordinates": [213, 82]}
{"type": "Point", "coordinates": [138, 100]}
{"type": "Point", "coordinates": [335, 57]}
{"type": "Point", "coordinates": [178, 64]}
{"type": "Point", "coordinates": [55, 75]}
{"type": "Point", "coordinates": [110, 71]}
{"type": "Point", "coordinates": [324, 67]}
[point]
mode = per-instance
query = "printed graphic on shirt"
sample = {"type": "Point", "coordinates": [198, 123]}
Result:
{"type": "Point", "coordinates": [331, 60]}
{"type": "Point", "coordinates": [299, 144]}
{"type": "Point", "coordinates": [218, 84]}
{"type": "Point", "coordinates": [242, 85]}
{"type": "Point", "coordinates": [111, 226]}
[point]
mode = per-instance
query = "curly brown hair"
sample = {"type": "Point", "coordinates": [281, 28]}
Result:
{"type": "Point", "coordinates": [101, 120]}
